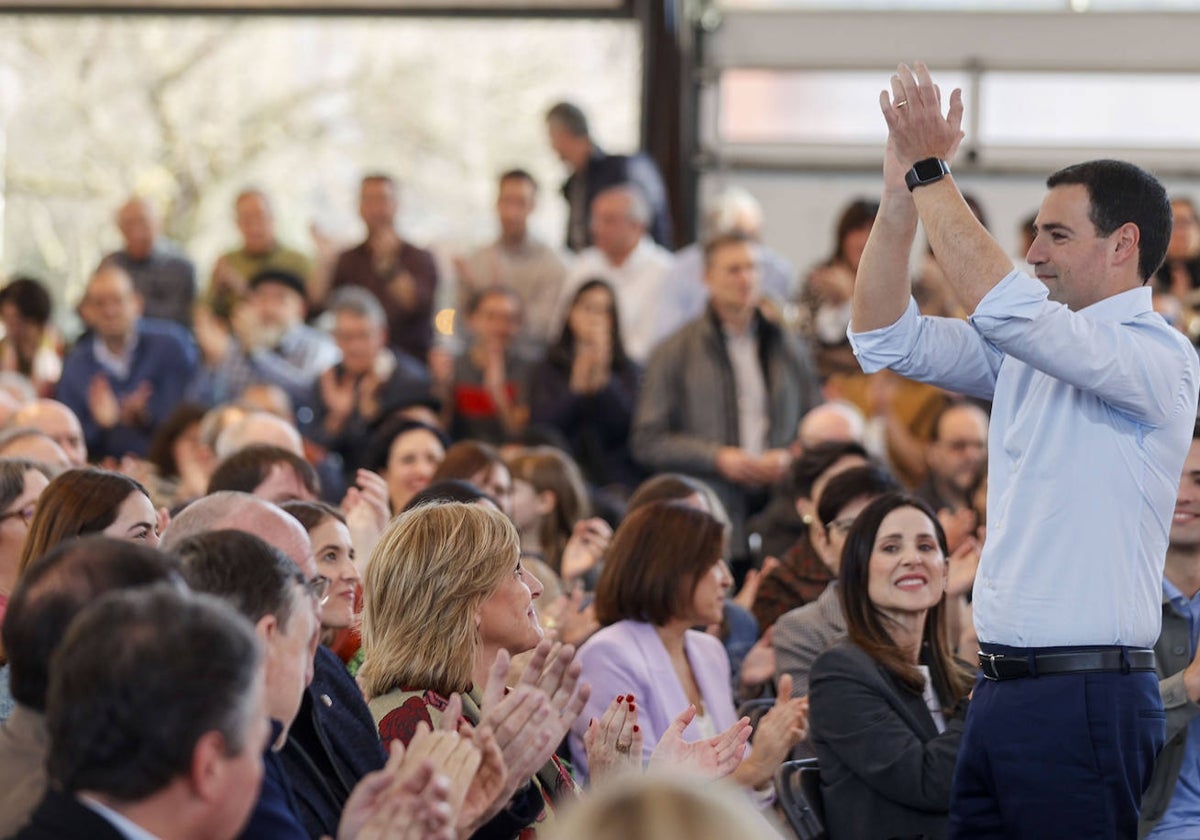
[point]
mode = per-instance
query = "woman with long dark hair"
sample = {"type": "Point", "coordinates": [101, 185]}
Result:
{"type": "Point", "coordinates": [586, 387]}
{"type": "Point", "coordinates": [888, 703]}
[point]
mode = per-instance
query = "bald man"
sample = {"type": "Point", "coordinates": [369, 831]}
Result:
{"type": "Point", "coordinates": [58, 423]}
{"type": "Point", "coordinates": [127, 373]}
{"type": "Point", "coordinates": [333, 741]}
{"type": "Point", "coordinates": [162, 274]}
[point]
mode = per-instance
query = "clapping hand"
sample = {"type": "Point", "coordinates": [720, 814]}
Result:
{"type": "Point", "coordinates": [614, 743]}
{"type": "Point", "coordinates": [713, 758]}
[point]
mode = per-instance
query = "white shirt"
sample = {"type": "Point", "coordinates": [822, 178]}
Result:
{"type": "Point", "coordinates": [751, 385]}
{"type": "Point", "coordinates": [1091, 420]}
{"type": "Point", "coordinates": [931, 700]}
{"type": "Point", "coordinates": [126, 827]}
{"type": "Point", "coordinates": [638, 284]}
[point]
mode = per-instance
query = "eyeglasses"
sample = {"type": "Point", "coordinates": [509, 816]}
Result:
{"type": "Point", "coordinates": [842, 526]}
{"type": "Point", "coordinates": [316, 587]}
{"type": "Point", "coordinates": [25, 514]}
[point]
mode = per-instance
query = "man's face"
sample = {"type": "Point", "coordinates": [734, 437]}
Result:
{"type": "Point", "coordinates": [1185, 524]}
{"type": "Point", "coordinates": [959, 455]}
{"type": "Point", "coordinates": [1067, 254]}
{"type": "Point", "coordinates": [283, 485]}
{"type": "Point", "coordinates": [377, 204]}
{"type": "Point", "coordinates": [138, 229]}
{"type": "Point", "coordinates": [110, 305]}
{"type": "Point", "coordinates": [496, 320]}
{"type": "Point", "coordinates": [277, 306]}
{"type": "Point", "coordinates": [613, 231]}
{"type": "Point", "coordinates": [732, 278]}
{"type": "Point", "coordinates": [513, 205]}
{"type": "Point", "coordinates": [571, 150]}
{"type": "Point", "coordinates": [289, 659]}
{"type": "Point", "coordinates": [360, 341]}
{"type": "Point", "coordinates": [255, 223]}
{"type": "Point", "coordinates": [244, 770]}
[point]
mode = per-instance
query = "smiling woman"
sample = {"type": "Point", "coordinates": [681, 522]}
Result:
{"type": "Point", "coordinates": [90, 501]}
{"type": "Point", "coordinates": [891, 687]}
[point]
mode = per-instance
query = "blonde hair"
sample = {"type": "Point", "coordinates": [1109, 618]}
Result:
{"type": "Point", "coordinates": [429, 573]}
{"type": "Point", "coordinates": [660, 807]}
{"type": "Point", "coordinates": [547, 468]}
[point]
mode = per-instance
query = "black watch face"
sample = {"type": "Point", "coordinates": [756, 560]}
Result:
{"type": "Point", "coordinates": [928, 170]}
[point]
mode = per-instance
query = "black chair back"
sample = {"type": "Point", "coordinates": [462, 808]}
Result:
{"type": "Point", "coordinates": [798, 787]}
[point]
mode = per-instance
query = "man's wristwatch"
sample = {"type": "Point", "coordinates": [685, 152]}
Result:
{"type": "Point", "coordinates": [926, 172]}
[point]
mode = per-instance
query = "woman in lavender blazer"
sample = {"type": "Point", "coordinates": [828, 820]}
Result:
{"type": "Point", "coordinates": [662, 577]}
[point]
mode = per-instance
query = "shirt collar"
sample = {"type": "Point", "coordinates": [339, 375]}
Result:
{"type": "Point", "coordinates": [125, 827]}
{"type": "Point", "coordinates": [1122, 306]}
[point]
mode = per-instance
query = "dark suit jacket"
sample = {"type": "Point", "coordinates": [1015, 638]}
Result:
{"type": "Point", "coordinates": [60, 816]}
{"type": "Point", "coordinates": [330, 746]}
{"type": "Point", "coordinates": [604, 171]}
{"type": "Point", "coordinates": [885, 770]}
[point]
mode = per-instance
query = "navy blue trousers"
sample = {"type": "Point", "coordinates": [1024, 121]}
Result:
{"type": "Point", "coordinates": [1061, 756]}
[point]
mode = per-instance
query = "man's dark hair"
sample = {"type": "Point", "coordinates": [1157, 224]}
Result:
{"type": "Point", "coordinates": [1120, 192]}
{"type": "Point", "coordinates": [254, 577]}
{"type": "Point", "coordinates": [850, 485]}
{"type": "Point", "coordinates": [56, 588]}
{"type": "Point", "coordinates": [571, 117]}
{"type": "Point", "coordinates": [139, 678]}
{"type": "Point", "coordinates": [30, 299]}
{"type": "Point", "coordinates": [519, 174]}
{"type": "Point", "coordinates": [816, 459]}
{"type": "Point", "coordinates": [1196, 430]}
{"type": "Point", "coordinates": [249, 467]}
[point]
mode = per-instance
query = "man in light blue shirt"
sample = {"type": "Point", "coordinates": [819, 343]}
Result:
{"type": "Point", "coordinates": [1094, 396]}
{"type": "Point", "coordinates": [1171, 806]}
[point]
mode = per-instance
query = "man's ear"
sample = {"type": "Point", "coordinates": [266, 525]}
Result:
{"type": "Point", "coordinates": [1126, 243]}
{"type": "Point", "coordinates": [209, 763]}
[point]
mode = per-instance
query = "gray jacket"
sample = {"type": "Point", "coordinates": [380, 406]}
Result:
{"type": "Point", "coordinates": [688, 410]}
{"type": "Point", "coordinates": [1171, 654]}
{"type": "Point", "coordinates": [803, 634]}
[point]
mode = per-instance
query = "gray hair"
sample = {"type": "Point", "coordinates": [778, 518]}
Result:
{"type": "Point", "coordinates": [638, 209]}
{"type": "Point", "coordinates": [356, 300]}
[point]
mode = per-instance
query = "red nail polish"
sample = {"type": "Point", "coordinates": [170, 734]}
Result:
{"type": "Point", "coordinates": [633, 707]}
{"type": "Point", "coordinates": [631, 698]}
{"type": "Point", "coordinates": [620, 698]}
{"type": "Point", "coordinates": [637, 728]}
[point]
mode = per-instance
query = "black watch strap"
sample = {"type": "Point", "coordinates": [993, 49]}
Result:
{"type": "Point", "coordinates": [926, 172]}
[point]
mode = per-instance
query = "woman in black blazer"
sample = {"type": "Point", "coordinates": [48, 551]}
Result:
{"type": "Point", "coordinates": [887, 704]}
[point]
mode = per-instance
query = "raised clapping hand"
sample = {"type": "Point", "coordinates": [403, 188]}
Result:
{"type": "Point", "coordinates": [917, 129]}
{"type": "Point", "coordinates": [614, 743]}
{"type": "Point", "coordinates": [406, 800]}
{"type": "Point", "coordinates": [785, 725]}
{"type": "Point", "coordinates": [713, 758]}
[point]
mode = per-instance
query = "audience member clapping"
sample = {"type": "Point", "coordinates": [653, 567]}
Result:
{"type": "Point", "coordinates": [586, 388]}
{"type": "Point", "coordinates": [663, 576]}
{"type": "Point", "coordinates": [447, 602]}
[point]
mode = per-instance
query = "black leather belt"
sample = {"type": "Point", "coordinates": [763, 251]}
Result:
{"type": "Point", "coordinates": [1008, 666]}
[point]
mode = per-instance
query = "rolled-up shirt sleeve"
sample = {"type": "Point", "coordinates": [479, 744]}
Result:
{"type": "Point", "coordinates": [946, 352]}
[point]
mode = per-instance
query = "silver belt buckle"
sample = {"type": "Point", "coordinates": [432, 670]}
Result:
{"type": "Point", "coordinates": [989, 659]}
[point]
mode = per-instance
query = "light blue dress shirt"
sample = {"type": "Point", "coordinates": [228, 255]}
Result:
{"type": "Point", "coordinates": [1092, 417]}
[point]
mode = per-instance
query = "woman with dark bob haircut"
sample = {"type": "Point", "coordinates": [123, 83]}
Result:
{"type": "Point", "coordinates": [889, 701]}
{"type": "Point", "coordinates": [663, 576]}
